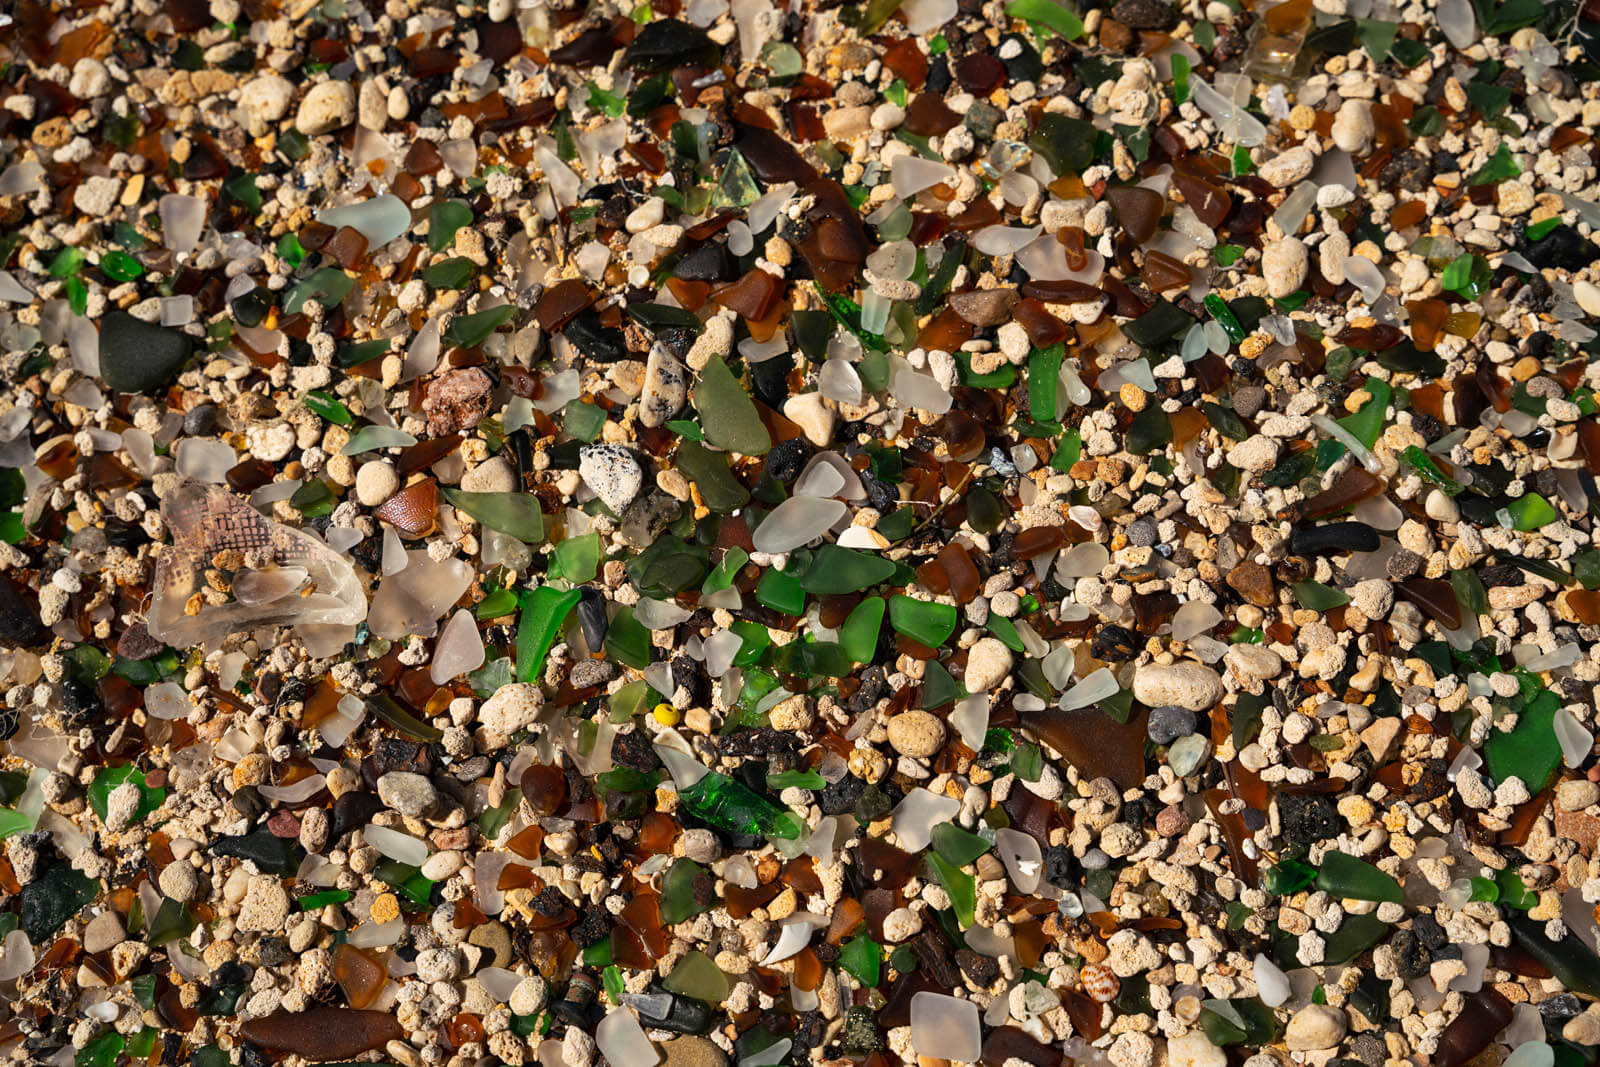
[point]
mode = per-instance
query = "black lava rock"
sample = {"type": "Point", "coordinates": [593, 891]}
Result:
{"type": "Point", "coordinates": [1307, 820]}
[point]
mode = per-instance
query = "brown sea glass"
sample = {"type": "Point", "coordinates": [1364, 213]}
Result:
{"type": "Point", "coordinates": [1485, 1014]}
{"type": "Point", "coordinates": [1138, 210]}
{"type": "Point", "coordinates": [1435, 597]}
{"type": "Point", "coordinates": [323, 1033]}
{"type": "Point", "coordinates": [1354, 485]}
{"type": "Point", "coordinates": [360, 976]}
{"type": "Point", "coordinates": [1427, 322]}
{"type": "Point", "coordinates": [1162, 272]}
{"type": "Point", "coordinates": [561, 303]}
{"type": "Point", "coordinates": [928, 116]}
{"type": "Point", "coordinates": [1209, 203]}
{"type": "Point", "coordinates": [1094, 742]}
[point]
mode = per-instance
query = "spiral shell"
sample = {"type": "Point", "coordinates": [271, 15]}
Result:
{"type": "Point", "coordinates": [1098, 981]}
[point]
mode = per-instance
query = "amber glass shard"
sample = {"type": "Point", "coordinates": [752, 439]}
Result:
{"type": "Point", "coordinates": [1209, 203]}
{"type": "Point", "coordinates": [360, 976]}
{"type": "Point", "coordinates": [1138, 210]}
{"type": "Point", "coordinates": [1094, 742]}
{"type": "Point", "coordinates": [1353, 486]}
{"type": "Point", "coordinates": [1162, 272]}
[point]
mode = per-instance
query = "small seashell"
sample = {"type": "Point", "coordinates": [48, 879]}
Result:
{"type": "Point", "coordinates": [1099, 982]}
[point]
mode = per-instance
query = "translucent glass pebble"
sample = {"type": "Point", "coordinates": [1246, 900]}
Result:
{"type": "Point", "coordinates": [946, 1027]}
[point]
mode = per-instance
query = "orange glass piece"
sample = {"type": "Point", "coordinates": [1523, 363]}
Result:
{"type": "Point", "coordinates": [847, 916]}
{"type": "Point", "coordinates": [963, 434]}
{"type": "Point", "coordinates": [906, 59]}
{"type": "Point", "coordinates": [359, 975]}
{"type": "Point", "coordinates": [1585, 604]}
{"type": "Point", "coordinates": [928, 116]}
{"type": "Point", "coordinates": [465, 1029]}
{"type": "Point", "coordinates": [1408, 214]}
{"type": "Point", "coordinates": [657, 832]}
{"type": "Point", "coordinates": [946, 332]}
{"type": "Point", "coordinates": [1427, 322]}
{"type": "Point", "coordinates": [545, 788]}
{"type": "Point", "coordinates": [741, 901]}
{"type": "Point", "coordinates": [754, 296]}
{"type": "Point", "coordinates": [642, 915]}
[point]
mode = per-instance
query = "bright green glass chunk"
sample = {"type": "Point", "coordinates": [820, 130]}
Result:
{"type": "Point", "coordinates": [1484, 889]}
{"type": "Point", "coordinates": [719, 489]}
{"type": "Point", "coordinates": [1512, 891]}
{"type": "Point", "coordinates": [577, 559]}
{"type": "Point", "coordinates": [1343, 875]}
{"type": "Point", "coordinates": [1006, 632]}
{"type": "Point", "coordinates": [1530, 750]}
{"type": "Point", "coordinates": [1047, 13]}
{"type": "Point", "coordinates": [313, 901]}
{"type": "Point", "coordinates": [119, 266]}
{"type": "Point", "coordinates": [960, 886]}
{"type": "Point", "coordinates": [544, 612]}
{"type": "Point", "coordinates": [1225, 317]}
{"type": "Point", "coordinates": [921, 620]}
{"type": "Point", "coordinates": [862, 958]}
{"type": "Point", "coordinates": [781, 592]}
{"type": "Point", "coordinates": [755, 641]}
{"type": "Point", "coordinates": [66, 263]}
{"type": "Point", "coordinates": [939, 687]}
{"type": "Point", "coordinates": [698, 977]}
{"type": "Point", "coordinates": [1429, 471]}
{"type": "Point", "coordinates": [1314, 596]}
{"type": "Point", "coordinates": [836, 570]}
{"type": "Point", "coordinates": [1366, 425]}
{"type": "Point", "coordinates": [727, 412]}
{"type": "Point", "coordinates": [326, 407]}
{"type": "Point", "coordinates": [677, 892]}
{"type": "Point", "coordinates": [958, 846]}
{"type": "Point", "coordinates": [172, 922]}
{"type": "Point", "coordinates": [796, 780]}
{"type": "Point", "coordinates": [496, 604]}
{"type": "Point", "coordinates": [516, 514]}
{"type": "Point", "coordinates": [445, 217]}
{"type": "Point", "coordinates": [737, 187]}
{"type": "Point", "coordinates": [1289, 876]}
{"type": "Point", "coordinates": [1068, 451]}
{"type": "Point", "coordinates": [1531, 511]}
{"type": "Point", "coordinates": [858, 637]}
{"type": "Point", "coordinates": [730, 805]}
{"type": "Point", "coordinates": [1180, 81]}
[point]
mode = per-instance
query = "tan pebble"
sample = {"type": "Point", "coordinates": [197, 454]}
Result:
{"type": "Point", "coordinates": [1524, 368]}
{"type": "Point", "coordinates": [1132, 396]}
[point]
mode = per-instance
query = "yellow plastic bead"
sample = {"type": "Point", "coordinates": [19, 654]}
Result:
{"type": "Point", "coordinates": [666, 714]}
